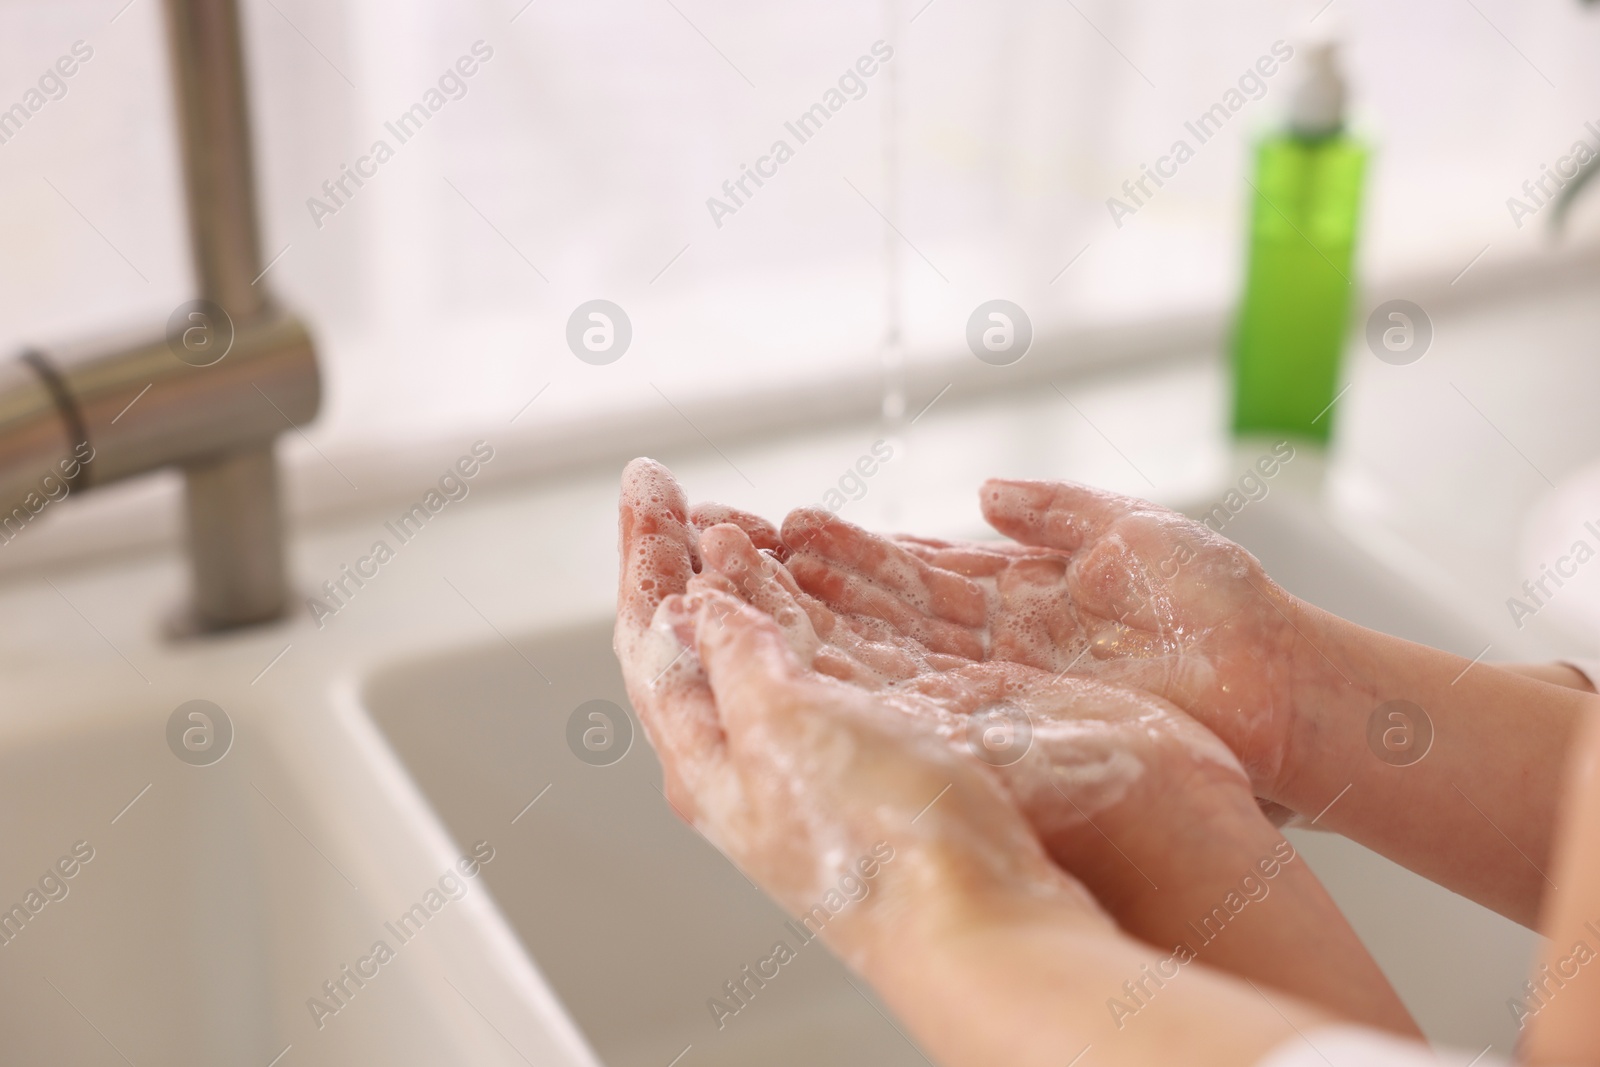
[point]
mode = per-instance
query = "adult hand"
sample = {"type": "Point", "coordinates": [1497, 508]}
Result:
{"type": "Point", "coordinates": [658, 535]}
{"type": "Point", "coordinates": [800, 779]}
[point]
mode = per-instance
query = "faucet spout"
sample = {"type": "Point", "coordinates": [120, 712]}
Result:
{"type": "Point", "coordinates": [231, 372]}
{"type": "Point", "coordinates": [109, 411]}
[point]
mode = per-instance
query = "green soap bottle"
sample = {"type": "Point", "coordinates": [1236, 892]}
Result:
{"type": "Point", "coordinates": [1305, 205]}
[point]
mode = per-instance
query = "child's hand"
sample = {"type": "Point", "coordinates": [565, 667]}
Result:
{"type": "Point", "coordinates": [1101, 584]}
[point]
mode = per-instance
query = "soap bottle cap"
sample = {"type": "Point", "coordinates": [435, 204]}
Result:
{"type": "Point", "coordinates": [1317, 107]}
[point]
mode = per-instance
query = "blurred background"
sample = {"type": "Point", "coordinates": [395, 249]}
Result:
{"type": "Point", "coordinates": [978, 164]}
{"type": "Point", "coordinates": [580, 161]}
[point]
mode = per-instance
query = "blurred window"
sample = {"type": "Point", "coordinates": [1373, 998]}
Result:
{"type": "Point", "coordinates": [577, 160]}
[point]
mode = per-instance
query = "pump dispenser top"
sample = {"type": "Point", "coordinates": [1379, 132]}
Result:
{"type": "Point", "coordinates": [1317, 107]}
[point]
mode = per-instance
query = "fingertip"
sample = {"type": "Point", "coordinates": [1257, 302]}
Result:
{"type": "Point", "coordinates": [802, 526]}
{"type": "Point", "coordinates": [656, 545]}
{"type": "Point", "coordinates": [755, 575]}
{"type": "Point", "coordinates": [1012, 493]}
{"type": "Point", "coordinates": [639, 464]}
{"type": "Point", "coordinates": [738, 567]}
{"type": "Point", "coordinates": [725, 542]}
{"type": "Point", "coordinates": [1059, 515]}
{"type": "Point", "coordinates": [645, 478]}
{"type": "Point", "coordinates": [822, 532]}
{"type": "Point", "coordinates": [650, 501]}
{"type": "Point", "coordinates": [1011, 507]}
{"type": "Point", "coordinates": [1010, 483]}
{"type": "Point", "coordinates": [761, 533]}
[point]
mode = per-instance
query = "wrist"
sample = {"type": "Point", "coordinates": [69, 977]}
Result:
{"type": "Point", "coordinates": [1218, 817]}
{"type": "Point", "coordinates": [1029, 983]}
{"type": "Point", "coordinates": [1338, 680]}
{"type": "Point", "coordinates": [931, 906]}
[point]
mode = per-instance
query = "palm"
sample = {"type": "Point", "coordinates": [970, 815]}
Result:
{"type": "Point", "coordinates": [1100, 585]}
{"type": "Point", "coordinates": [1090, 754]}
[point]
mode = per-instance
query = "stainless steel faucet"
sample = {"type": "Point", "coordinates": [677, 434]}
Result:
{"type": "Point", "coordinates": [213, 391]}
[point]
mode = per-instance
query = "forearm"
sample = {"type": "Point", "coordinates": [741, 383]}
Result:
{"type": "Point", "coordinates": [1461, 785]}
{"type": "Point", "coordinates": [1226, 888]}
{"type": "Point", "coordinates": [1027, 985]}
{"type": "Point", "coordinates": [1562, 1001]}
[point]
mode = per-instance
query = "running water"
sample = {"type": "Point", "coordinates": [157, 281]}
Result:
{"type": "Point", "coordinates": [893, 356]}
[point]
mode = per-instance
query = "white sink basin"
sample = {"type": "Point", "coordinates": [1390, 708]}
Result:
{"type": "Point", "coordinates": [164, 939]}
{"type": "Point", "coordinates": [213, 905]}
{"type": "Point", "coordinates": [634, 919]}
{"type": "Point", "coordinates": [207, 905]}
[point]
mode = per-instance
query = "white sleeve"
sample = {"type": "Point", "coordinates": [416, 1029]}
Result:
{"type": "Point", "coordinates": [1589, 668]}
{"type": "Point", "coordinates": [1357, 1046]}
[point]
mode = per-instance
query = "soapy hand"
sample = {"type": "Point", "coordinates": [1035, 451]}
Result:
{"type": "Point", "coordinates": [659, 537]}
{"type": "Point", "coordinates": [799, 776]}
{"type": "Point", "coordinates": [1097, 584]}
